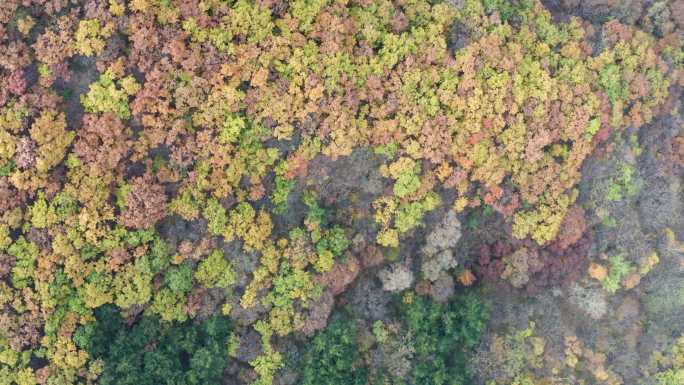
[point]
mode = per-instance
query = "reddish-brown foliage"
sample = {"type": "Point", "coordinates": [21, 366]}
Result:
{"type": "Point", "coordinates": [15, 56]}
{"type": "Point", "coordinates": [677, 8]}
{"type": "Point", "coordinates": [551, 265]}
{"type": "Point", "coordinates": [55, 44]}
{"type": "Point", "coordinates": [6, 264]}
{"type": "Point", "coordinates": [319, 311]}
{"type": "Point", "coordinates": [677, 152]}
{"type": "Point", "coordinates": [16, 83]}
{"type": "Point", "coordinates": [571, 230]}
{"type": "Point", "coordinates": [10, 197]}
{"type": "Point", "coordinates": [341, 275]}
{"type": "Point", "coordinates": [102, 142]}
{"type": "Point", "coordinates": [145, 204]}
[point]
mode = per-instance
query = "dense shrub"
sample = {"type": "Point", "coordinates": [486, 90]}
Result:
{"type": "Point", "coordinates": [442, 336]}
{"type": "Point", "coordinates": [154, 352]}
{"type": "Point", "coordinates": [333, 356]}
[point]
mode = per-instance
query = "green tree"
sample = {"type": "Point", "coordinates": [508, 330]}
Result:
{"type": "Point", "coordinates": [442, 336]}
{"type": "Point", "coordinates": [152, 352]}
{"type": "Point", "coordinates": [333, 357]}
{"type": "Point", "coordinates": [179, 278]}
{"type": "Point", "coordinates": [215, 271]}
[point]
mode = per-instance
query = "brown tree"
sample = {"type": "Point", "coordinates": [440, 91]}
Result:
{"type": "Point", "coordinates": [145, 204]}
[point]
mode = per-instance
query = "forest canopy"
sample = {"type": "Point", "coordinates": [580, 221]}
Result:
{"type": "Point", "coordinates": [175, 206]}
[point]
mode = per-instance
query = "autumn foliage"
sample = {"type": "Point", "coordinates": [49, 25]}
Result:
{"type": "Point", "coordinates": [120, 119]}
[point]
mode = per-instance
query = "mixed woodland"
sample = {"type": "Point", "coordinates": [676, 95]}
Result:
{"type": "Point", "coordinates": [362, 192]}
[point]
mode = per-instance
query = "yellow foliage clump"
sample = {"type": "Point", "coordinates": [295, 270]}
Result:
{"type": "Point", "coordinates": [90, 37]}
{"type": "Point", "coordinates": [597, 271]}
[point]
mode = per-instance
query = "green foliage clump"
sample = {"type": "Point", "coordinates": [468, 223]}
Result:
{"type": "Point", "coordinates": [406, 173]}
{"type": "Point", "coordinates": [610, 80]}
{"type": "Point", "coordinates": [514, 354]}
{"type": "Point", "coordinates": [233, 126]}
{"type": "Point", "coordinates": [316, 216]}
{"type": "Point", "coordinates": [251, 20]}
{"type": "Point", "coordinates": [246, 223]}
{"type": "Point", "coordinates": [380, 332]}
{"type": "Point", "coordinates": [270, 361]}
{"type": "Point", "coordinates": [7, 168]}
{"type": "Point", "coordinates": [388, 150]}
{"type": "Point", "coordinates": [5, 239]}
{"type": "Point", "coordinates": [39, 212]}
{"type": "Point", "coordinates": [169, 305]}
{"type": "Point", "coordinates": [625, 185]}
{"type": "Point", "coordinates": [333, 241]}
{"type": "Point", "coordinates": [187, 205]}
{"type": "Point", "coordinates": [62, 206]}
{"type": "Point", "coordinates": [305, 11]}
{"type": "Point", "coordinates": [216, 216]}
{"type": "Point", "coordinates": [410, 215]}
{"type": "Point", "coordinates": [333, 356]}
{"type": "Point", "coordinates": [508, 9]}
{"type": "Point", "coordinates": [442, 336]}
{"type": "Point", "coordinates": [671, 364]}
{"type": "Point", "coordinates": [330, 241]}
{"type": "Point", "coordinates": [215, 271]}
{"type": "Point", "coordinates": [593, 127]}
{"type": "Point", "coordinates": [220, 37]}
{"type": "Point", "coordinates": [407, 182]}
{"type": "Point", "coordinates": [281, 192]}
{"type": "Point", "coordinates": [25, 253]}
{"type": "Point", "coordinates": [671, 377]}
{"type": "Point", "coordinates": [110, 95]}
{"type": "Point", "coordinates": [151, 352]}
{"type": "Point", "coordinates": [407, 216]}
{"type": "Point", "coordinates": [133, 285]}
{"type": "Point", "coordinates": [619, 268]}
{"type": "Point", "coordinates": [289, 285]}
{"type": "Point", "coordinates": [179, 278]}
